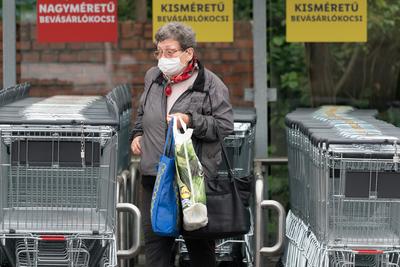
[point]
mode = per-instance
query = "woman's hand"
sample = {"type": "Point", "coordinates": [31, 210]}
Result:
{"type": "Point", "coordinates": [135, 146]}
{"type": "Point", "coordinates": [183, 116]}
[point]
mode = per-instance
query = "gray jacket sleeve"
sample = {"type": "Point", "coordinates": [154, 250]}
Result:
{"type": "Point", "coordinates": [137, 126]}
{"type": "Point", "coordinates": [221, 117]}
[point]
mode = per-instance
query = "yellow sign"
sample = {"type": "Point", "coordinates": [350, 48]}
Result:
{"type": "Point", "coordinates": [326, 20]}
{"type": "Point", "coordinates": [212, 20]}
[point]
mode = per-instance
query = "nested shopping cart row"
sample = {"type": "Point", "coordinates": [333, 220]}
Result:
{"type": "Point", "coordinates": [63, 250]}
{"type": "Point", "coordinates": [304, 249]}
{"type": "Point", "coordinates": [59, 161]}
{"type": "Point", "coordinates": [49, 186]}
{"type": "Point", "coordinates": [344, 174]}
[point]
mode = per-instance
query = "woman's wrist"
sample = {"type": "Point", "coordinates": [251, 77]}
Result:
{"type": "Point", "coordinates": [189, 120]}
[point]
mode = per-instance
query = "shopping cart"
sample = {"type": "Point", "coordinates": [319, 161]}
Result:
{"type": "Point", "coordinates": [304, 249]}
{"type": "Point", "coordinates": [59, 159]}
{"type": "Point", "coordinates": [344, 175]}
{"type": "Point", "coordinates": [240, 149]}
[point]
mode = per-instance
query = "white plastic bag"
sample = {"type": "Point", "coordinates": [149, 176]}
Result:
{"type": "Point", "coordinates": [190, 179]}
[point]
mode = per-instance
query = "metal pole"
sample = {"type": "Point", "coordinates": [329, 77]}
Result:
{"type": "Point", "coordinates": [122, 227]}
{"type": "Point", "coordinates": [133, 199]}
{"type": "Point", "coordinates": [9, 44]}
{"type": "Point", "coordinates": [126, 232]}
{"type": "Point", "coordinates": [258, 234]}
{"type": "Point", "coordinates": [260, 76]}
{"type": "Point", "coordinates": [261, 83]}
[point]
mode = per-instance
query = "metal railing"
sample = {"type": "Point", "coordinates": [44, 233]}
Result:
{"type": "Point", "coordinates": [260, 205]}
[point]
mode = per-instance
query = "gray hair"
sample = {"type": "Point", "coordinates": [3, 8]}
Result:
{"type": "Point", "coordinates": [179, 32]}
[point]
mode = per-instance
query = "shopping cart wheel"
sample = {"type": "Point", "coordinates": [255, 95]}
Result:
{"type": "Point", "coordinates": [237, 257]}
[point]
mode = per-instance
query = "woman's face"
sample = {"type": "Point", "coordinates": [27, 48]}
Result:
{"type": "Point", "coordinates": [171, 48]}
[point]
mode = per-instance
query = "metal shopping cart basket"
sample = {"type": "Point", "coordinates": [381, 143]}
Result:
{"type": "Point", "coordinates": [343, 172]}
{"type": "Point", "coordinates": [240, 149]}
{"type": "Point", "coordinates": [58, 165]}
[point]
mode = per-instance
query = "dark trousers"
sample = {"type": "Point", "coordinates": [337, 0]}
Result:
{"type": "Point", "coordinates": [158, 249]}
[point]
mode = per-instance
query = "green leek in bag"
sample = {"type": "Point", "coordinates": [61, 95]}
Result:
{"type": "Point", "coordinates": [190, 180]}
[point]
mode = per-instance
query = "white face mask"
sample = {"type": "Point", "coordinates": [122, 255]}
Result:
{"type": "Point", "coordinates": [170, 66]}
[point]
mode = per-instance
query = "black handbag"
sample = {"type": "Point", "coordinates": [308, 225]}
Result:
{"type": "Point", "coordinates": [227, 204]}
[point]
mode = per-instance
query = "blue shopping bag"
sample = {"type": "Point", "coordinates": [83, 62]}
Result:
{"type": "Point", "coordinates": [165, 200]}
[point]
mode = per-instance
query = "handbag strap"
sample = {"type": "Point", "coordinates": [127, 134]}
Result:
{"type": "Point", "coordinates": [221, 141]}
{"type": "Point", "coordinates": [224, 153]}
{"type": "Point", "coordinates": [169, 140]}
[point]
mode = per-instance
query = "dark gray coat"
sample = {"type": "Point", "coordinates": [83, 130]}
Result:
{"type": "Point", "coordinates": [151, 123]}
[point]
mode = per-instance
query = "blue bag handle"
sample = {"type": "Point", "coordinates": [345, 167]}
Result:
{"type": "Point", "coordinates": [169, 141]}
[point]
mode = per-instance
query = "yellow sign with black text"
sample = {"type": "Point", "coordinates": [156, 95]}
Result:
{"type": "Point", "coordinates": [326, 20]}
{"type": "Point", "coordinates": [212, 20]}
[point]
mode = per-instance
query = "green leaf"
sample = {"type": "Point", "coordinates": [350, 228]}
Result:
{"type": "Point", "coordinates": [278, 41]}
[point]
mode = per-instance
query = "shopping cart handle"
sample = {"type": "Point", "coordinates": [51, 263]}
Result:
{"type": "Point", "coordinates": [133, 251]}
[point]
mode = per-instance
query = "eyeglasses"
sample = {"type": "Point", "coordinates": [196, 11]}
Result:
{"type": "Point", "coordinates": [167, 53]}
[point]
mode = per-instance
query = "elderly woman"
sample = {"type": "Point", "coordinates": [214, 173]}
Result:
{"type": "Point", "coordinates": [178, 86]}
